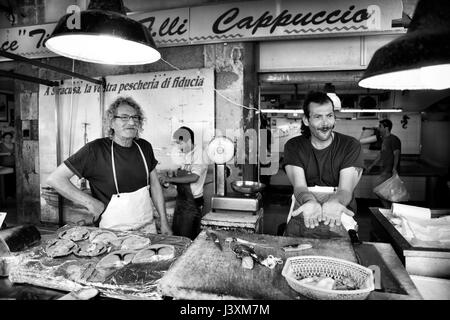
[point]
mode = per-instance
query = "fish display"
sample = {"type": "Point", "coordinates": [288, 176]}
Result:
{"type": "Point", "coordinates": [60, 248]}
{"type": "Point", "coordinates": [75, 234]}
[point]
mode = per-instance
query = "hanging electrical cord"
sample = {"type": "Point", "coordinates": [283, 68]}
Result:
{"type": "Point", "coordinates": [226, 98]}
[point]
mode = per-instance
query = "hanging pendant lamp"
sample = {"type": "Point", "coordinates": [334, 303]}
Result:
{"type": "Point", "coordinates": [103, 34]}
{"type": "Point", "coordinates": [419, 59]}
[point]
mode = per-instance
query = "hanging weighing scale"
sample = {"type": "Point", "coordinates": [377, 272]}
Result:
{"type": "Point", "coordinates": [241, 210]}
{"type": "Point", "coordinates": [220, 150]}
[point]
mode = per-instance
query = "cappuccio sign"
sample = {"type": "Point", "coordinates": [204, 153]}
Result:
{"type": "Point", "coordinates": [240, 21]}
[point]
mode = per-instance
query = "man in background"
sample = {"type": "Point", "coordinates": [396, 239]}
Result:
{"type": "Point", "coordinates": [189, 179]}
{"type": "Point", "coordinates": [7, 159]}
{"type": "Point", "coordinates": [389, 156]}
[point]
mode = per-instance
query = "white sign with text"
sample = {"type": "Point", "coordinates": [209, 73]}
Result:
{"type": "Point", "coordinates": [239, 21]}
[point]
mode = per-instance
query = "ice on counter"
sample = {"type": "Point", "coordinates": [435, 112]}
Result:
{"type": "Point", "coordinates": [432, 232]}
{"type": "Point", "coordinates": [406, 211]}
{"type": "Point", "coordinates": [417, 227]}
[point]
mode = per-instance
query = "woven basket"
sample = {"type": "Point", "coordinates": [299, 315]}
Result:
{"type": "Point", "coordinates": [300, 267]}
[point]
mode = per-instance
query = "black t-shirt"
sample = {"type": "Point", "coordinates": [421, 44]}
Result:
{"type": "Point", "coordinates": [93, 162]}
{"type": "Point", "coordinates": [388, 146]}
{"type": "Point", "coordinates": [322, 167]}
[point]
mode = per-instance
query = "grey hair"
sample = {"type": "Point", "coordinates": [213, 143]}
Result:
{"type": "Point", "coordinates": [112, 111]}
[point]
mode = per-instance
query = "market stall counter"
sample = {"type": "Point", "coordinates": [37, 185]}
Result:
{"type": "Point", "coordinates": [119, 264]}
{"type": "Point", "coordinates": [213, 267]}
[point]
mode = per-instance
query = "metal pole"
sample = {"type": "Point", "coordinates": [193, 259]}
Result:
{"type": "Point", "coordinates": [47, 66]}
{"type": "Point", "coordinates": [258, 145]}
{"type": "Point", "coordinates": [58, 156]}
{"type": "Point", "coordinates": [23, 77]}
{"type": "Point", "coordinates": [102, 105]}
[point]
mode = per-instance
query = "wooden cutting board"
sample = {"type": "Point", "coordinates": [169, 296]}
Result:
{"type": "Point", "coordinates": [205, 272]}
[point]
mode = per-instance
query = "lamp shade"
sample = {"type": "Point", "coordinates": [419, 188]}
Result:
{"type": "Point", "coordinates": [103, 36]}
{"type": "Point", "coordinates": [419, 59]}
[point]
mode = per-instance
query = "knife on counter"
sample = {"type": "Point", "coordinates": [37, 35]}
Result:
{"type": "Point", "coordinates": [352, 228]}
{"type": "Point", "coordinates": [215, 239]}
{"type": "Point", "coordinates": [296, 247]}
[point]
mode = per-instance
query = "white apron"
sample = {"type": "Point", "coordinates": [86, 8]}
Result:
{"type": "Point", "coordinates": [129, 210]}
{"type": "Point", "coordinates": [322, 194]}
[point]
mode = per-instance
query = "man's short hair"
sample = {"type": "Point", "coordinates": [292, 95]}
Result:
{"type": "Point", "coordinates": [184, 134]}
{"type": "Point", "coordinates": [318, 97]}
{"type": "Point", "coordinates": [387, 124]}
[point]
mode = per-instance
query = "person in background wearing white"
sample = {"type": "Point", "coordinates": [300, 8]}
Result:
{"type": "Point", "coordinates": [189, 179]}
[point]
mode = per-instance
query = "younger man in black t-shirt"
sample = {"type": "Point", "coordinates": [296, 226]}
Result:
{"type": "Point", "coordinates": [321, 157]}
{"type": "Point", "coordinates": [389, 156]}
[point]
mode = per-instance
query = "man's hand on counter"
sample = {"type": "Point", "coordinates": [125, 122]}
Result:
{"type": "Point", "coordinates": [332, 212]}
{"type": "Point", "coordinates": [312, 211]}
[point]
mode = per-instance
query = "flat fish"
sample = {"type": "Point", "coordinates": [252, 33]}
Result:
{"type": "Point", "coordinates": [75, 234]}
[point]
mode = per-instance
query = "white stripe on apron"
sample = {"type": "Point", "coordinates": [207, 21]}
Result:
{"type": "Point", "coordinates": [129, 210]}
{"type": "Point", "coordinates": [318, 191]}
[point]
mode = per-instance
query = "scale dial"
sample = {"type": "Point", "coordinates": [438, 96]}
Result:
{"type": "Point", "coordinates": [220, 150]}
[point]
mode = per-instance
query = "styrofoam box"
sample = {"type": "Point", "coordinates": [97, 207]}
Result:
{"type": "Point", "coordinates": [432, 288]}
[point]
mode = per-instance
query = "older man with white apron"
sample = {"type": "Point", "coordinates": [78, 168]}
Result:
{"type": "Point", "coordinates": [115, 167]}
